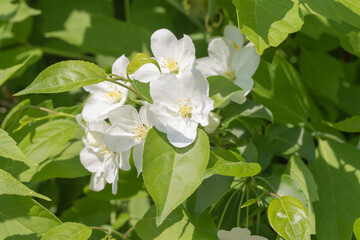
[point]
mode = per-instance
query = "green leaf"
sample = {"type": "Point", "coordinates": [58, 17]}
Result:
{"type": "Point", "coordinates": [287, 216]}
{"type": "Point", "coordinates": [302, 175]}
{"type": "Point", "coordinates": [268, 22]}
{"type": "Point", "coordinates": [210, 190]}
{"type": "Point", "coordinates": [64, 76]}
{"type": "Point", "coordinates": [92, 212]}
{"type": "Point", "coordinates": [172, 174]}
{"type": "Point", "coordinates": [23, 218]}
{"type": "Point", "coordinates": [85, 30]}
{"type": "Point", "coordinates": [11, 186]}
{"type": "Point", "coordinates": [294, 140]}
{"type": "Point", "coordinates": [351, 124]}
{"type": "Point", "coordinates": [337, 174]}
{"type": "Point", "coordinates": [65, 165]}
{"type": "Point", "coordinates": [279, 88]}
{"type": "Point", "coordinates": [249, 202]}
{"type": "Point", "coordinates": [321, 73]}
{"type": "Point", "coordinates": [7, 9]}
{"type": "Point", "coordinates": [248, 109]}
{"type": "Point", "coordinates": [68, 231]}
{"type": "Point", "coordinates": [357, 228]}
{"type": "Point", "coordinates": [228, 163]}
{"type": "Point", "coordinates": [221, 89]}
{"type": "Point", "coordinates": [138, 61]}
{"type": "Point", "coordinates": [176, 226]}
{"type": "Point", "coordinates": [15, 113]}
{"type": "Point", "coordinates": [9, 149]}
{"type": "Point", "coordinates": [15, 60]}
{"type": "Point", "coordinates": [143, 89]}
{"type": "Point", "coordinates": [48, 140]}
{"type": "Point", "coordinates": [23, 12]}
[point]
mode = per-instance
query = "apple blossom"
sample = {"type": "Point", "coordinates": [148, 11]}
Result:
{"type": "Point", "coordinates": [238, 234]}
{"type": "Point", "coordinates": [180, 104]}
{"type": "Point", "coordinates": [98, 159]}
{"type": "Point", "coordinates": [106, 96]}
{"type": "Point", "coordinates": [129, 129]}
{"type": "Point", "coordinates": [174, 56]}
{"type": "Point", "coordinates": [229, 58]}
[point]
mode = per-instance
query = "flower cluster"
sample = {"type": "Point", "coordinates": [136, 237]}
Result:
{"type": "Point", "coordinates": [180, 100]}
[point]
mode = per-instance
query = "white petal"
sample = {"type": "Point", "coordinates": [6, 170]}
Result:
{"type": "Point", "coordinates": [99, 87]}
{"type": "Point", "coordinates": [239, 97]}
{"type": "Point", "coordinates": [143, 113]}
{"type": "Point", "coordinates": [166, 88]}
{"type": "Point", "coordinates": [90, 159]}
{"type": "Point", "coordinates": [183, 138]}
{"type": "Point", "coordinates": [209, 66]}
{"type": "Point", "coordinates": [98, 126]}
{"type": "Point", "coordinates": [115, 183]}
{"type": "Point", "coordinates": [245, 83]}
{"type": "Point", "coordinates": [220, 50]}
{"type": "Point", "coordinates": [119, 138]}
{"type": "Point", "coordinates": [138, 156]}
{"type": "Point", "coordinates": [202, 108]}
{"type": "Point", "coordinates": [119, 66]}
{"type": "Point", "coordinates": [126, 115]}
{"type": "Point", "coordinates": [245, 62]}
{"type": "Point", "coordinates": [146, 73]}
{"type": "Point", "coordinates": [185, 53]}
{"type": "Point", "coordinates": [158, 115]}
{"type": "Point", "coordinates": [214, 122]}
{"type": "Point", "coordinates": [163, 44]}
{"type": "Point", "coordinates": [111, 167]}
{"type": "Point", "coordinates": [232, 33]}
{"type": "Point", "coordinates": [124, 160]}
{"type": "Point", "coordinates": [94, 109]}
{"type": "Point", "coordinates": [97, 181]}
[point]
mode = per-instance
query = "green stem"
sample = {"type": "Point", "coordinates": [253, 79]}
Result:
{"type": "Point", "coordinates": [57, 113]}
{"type": "Point", "coordinates": [258, 222]}
{"type": "Point", "coordinates": [224, 211]}
{"type": "Point", "coordinates": [217, 201]}
{"type": "Point", "coordinates": [124, 85]}
{"type": "Point", "coordinates": [127, 11]}
{"type": "Point", "coordinates": [239, 209]}
{"type": "Point", "coordinates": [109, 231]}
{"type": "Point", "coordinates": [129, 231]}
{"type": "Point", "coordinates": [247, 209]}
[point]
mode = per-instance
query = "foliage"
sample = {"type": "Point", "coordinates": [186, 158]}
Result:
{"type": "Point", "coordinates": [280, 156]}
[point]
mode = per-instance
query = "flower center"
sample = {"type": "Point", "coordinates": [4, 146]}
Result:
{"type": "Point", "coordinates": [103, 150]}
{"type": "Point", "coordinates": [140, 132]}
{"type": "Point", "coordinates": [237, 47]}
{"type": "Point", "coordinates": [229, 75]}
{"type": "Point", "coordinates": [171, 65]}
{"type": "Point", "coordinates": [113, 95]}
{"type": "Point", "coordinates": [183, 108]}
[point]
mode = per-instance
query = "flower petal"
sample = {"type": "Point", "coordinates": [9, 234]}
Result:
{"type": "Point", "coordinates": [232, 33]}
{"type": "Point", "coordinates": [209, 66]}
{"type": "Point", "coordinates": [220, 50]}
{"type": "Point", "coordinates": [115, 183]}
{"type": "Point", "coordinates": [245, 62]}
{"type": "Point", "coordinates": [126, 115]}
{"type": "Point", "coordinates": [94, 109]}
{"type": "Point", "coordinates": [138, 156]}
{"type": "Point", "coordinates": [183, 138]}
{"type": "Point", "coordinates": [185, 53]}
{"type": "Point", "coordinates": [163, 44]}
{"type": "Point", "coordinates": [119, 137]}
{"type": "Point", "coordinates": [124, 160]}
{"type": "Point", "coordinates": [119, 66]}
{"type": "Point", "coordinates": [146, 73]}
{"type": "Point", "coordinates": [97, 181]}
{"type": "Point", "coordinates": [90, 159]}
{"type": "Point", "coordinates": [111, 167]}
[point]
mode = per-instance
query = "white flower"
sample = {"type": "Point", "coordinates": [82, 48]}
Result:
{"type": "Point", "coordinates": [238, 234]}
{"type": "Point", "coordinates": [99, 160]}
{"type": "Point", "coordinates": [106, 95]}
{"type": "Point", "coordinates": [174, 56]}
{"type": "Point", "coordinates": [129, 129]}
{"type": "Point", "coordinates": [180, 104]}
{"type": "Point", "coordinates": [229, 58]}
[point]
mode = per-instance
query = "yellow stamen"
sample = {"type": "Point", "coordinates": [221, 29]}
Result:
{"type": "Point", "coordinates": [140, 132]}
{"type": "Point", "coordinates": [229, 75]}
{"type": "Point", "coordinates": [171, 65]}
{"type": "Point", "coordinates": [183, 108]}
{"type": "Point", "coordinates": [237, 47]}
